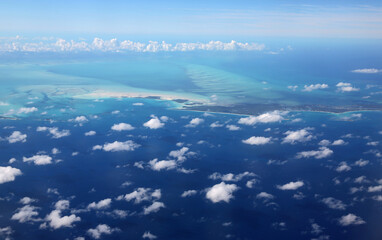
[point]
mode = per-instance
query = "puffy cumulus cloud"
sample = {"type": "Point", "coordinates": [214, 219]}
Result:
{"type": "Point", "coordinates": [90, 133]}
{"type": "Point", "coordinates": [149, 236]}
{"type": "Point", "coordinates": [232, 127]}
{"type": "Point", "coordinates": [54, 131]}
{"type": "Point", "coordinates": [322, 152]}
{"type": "Point", "coordinates": [216, 124]}
{"type": "Point", "coordinates": [374, 188]}
{"type": "Point", "coordinates": [122, 127]}
{"type": "Point", "coordinates": [291, 185]}
{"type": "Point", "coordinates": [56, 221]}
{"type": "Point", "coordinates": [189, 193]}
{"type": "Point", "coordinates": [26, 110]}
{"type": "Point", "coordinates": [230, 177]}
{"type": "Point", "coordinates": [257, 140]}
{"type": "Point", "coordinates": [103, 204]}
{"type": "Point", "coordinates": [265, 196]}
{"type": "Point", "coordinates": [8, 174]}
{"type": "Point", "coordinates": [314, 87]}
{"type": "Point", "coordinates": [17, 136]}
{"type": "Point", "coordinates": [162, 165]}
{"type": "Point", "coordinates": [154, 207]}
{"type": "Point", "coordinates": [367, 70]}
{"type": "Point", "coordinates": [142, 194]}
{"type": "Point", "coordinates": [27, 200]}
{"type": "Point", "coordinates": [302, 135]}
{"type": "Point", "coordinates": [339, 142]}
{"type": "Point", "coordinates": [195, 122]}
{"type": "Point", "coordinates": [270, 117]}
{"type": "Point", "coordinates": [346, 87]}
{"type": "Point", "coordinates": [79, 119]}
{"type": "Point", "coordinates": [118, 146]}
{"type": "Point", "coordinates": [221, 192]}
{"type": "Point", "coordinates": [334, 203]}
{"type": "Point", "coordinates": [6, 233]}
{"type": "Point", "coordinates": [181, 154]}
{"type": "Point", "coordinates": [39, 159]}
{"type": "Point", "coordinates": [27, 213]}
{"type": "Point", "coordinates": [62, 205]}
{"type": "Point", "coordinates": [153, 123]}
{"type": "Point", "coordinates": [343, 167]}
{"type": "Point", "coordinates": [350, 219]}
{"type": "Point", "coordinates": [101, 229]}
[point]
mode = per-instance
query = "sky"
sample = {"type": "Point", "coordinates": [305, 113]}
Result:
{"type": "Point", "coordinates": [193, 19]}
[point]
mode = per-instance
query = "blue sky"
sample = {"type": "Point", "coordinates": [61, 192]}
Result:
{"type": "Point", "coordinates": [192, 19]}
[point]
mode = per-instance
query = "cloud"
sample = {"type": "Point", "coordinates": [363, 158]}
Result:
{"type": "Point", "coordinates": [54, 131]}
{"type": "Point", "coordinates": [231, 177]}
{"type": "Point", "coordinates": [57, 221]}
{"type": "Point", "coordinates": [314, 87]}
{"type": "Point", "coordinates": [153, 123]}
{"type": "Point", "coordinates": [302, 135]}
{"type": "Point", "coordinates": [118, 146]}
{"type": "Point", "coordinates": [25, 214]}
{"type": "Point", "coordinates": [39, 159]}
{"type": "Point", "coordinates": [103, 204]}
{"type": "Point", "coordinates": [26, 110]}
{"type": "Point", "coordinates": [343, 167]}
{"type": "Point", "coordinates": [221, 192]}
{"type": "Point", "coordinates": [257, 140]}
{"type": "Point", "coordinates": [154, 207]}
{"type": "Point", "coordinates": [367, 70]}
{"type": "Point", "coordinates": [62, 205]}
{"type": "Point", "coordinates": [180, 154]}
{"type": "Point", "coordinates": [142, 194]}
{"type": "Point", "coordinates": [189, 193]}
{"type": "Point", "coordinates": [122, 127]}
{"type": "Point", "coordinates": [149, 236]}
{"type": "Point", "coordinates": [375, 188]}
{"type": "Point", "coordinates": [291, 185]}
{"type": "Point", "coordinates": [17, 136]}
{"type": "Point", "coordinates": [8, 174]}
{"type": "Point", "coordinates": [90, 133]}
{"type": "Point", "coordinates": [27, 200]}
{"type": "Point", "coordinates": [101, 229]}
{"type": "Point", "coordinates": [195, 122]}
{"type": "Point", "coordinates": [163, 164]}
{"type": "Point", "coordinates": [346, 87]}
{"type": "Point", "coordinates": [264, 195]}
{"type": "Point", "coordinates": [350, 219]}
{"type": "Point", "coordinates": [232, 127]}
{"type": "Point", "coordinates": [323, 152]}
{"type": "Point", "coordinates": [334, 203]}
{"type": "Point", "coordinates": [270, 117]}
{"type": "Point", "coordinates": [79, 119]}
{"type": "Point", "coordinates": [339, 142]}
{"type": "Point", "coordinates": [216, 124]}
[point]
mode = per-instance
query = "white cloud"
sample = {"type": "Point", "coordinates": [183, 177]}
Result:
{"type": "Point", "coordinates": [350, 219]}
{"type": "Point", "coordinates": [118, 146]}
{"type": "Point", "coordinates": [270, 117]}
{"type": "Point", "coordinates": [153, 123]}
{"type": "Point", "coordinates": [221, 192]}
{"type": "Point", "coordinates": [189, 193]}
{"type": "Point", "coordinates": [79, 119]}
{"type": "Point", "coordinates": [57, 221]}
{"type": "Point", "coordinates": [101, 229]}
{"type": "Point", "coordinates": [17, 136]}
{"type": "Point", "coordinates": [39, 159]}
{"type": "Point", "coordinates": [334, 203]}
{"type": "Point", "coordinates": [162, 165]}
{"type": "Point", "coordinates": [346, 87]}
{"type": "Point", "coordinates": [343, 167]}
{"type": "Point", "coordinates": [294, 87]}
{"type": "Point", "coordinates": [302, 135]}
{"type": "Point", "coordinates": [90, 133]}
{"type": "Point", "coordinates": [8, 174]}
{"type": "Point", "coordinates": [216, 124]}
{"type": "Point", "coordinates": [375, 188]}
{"type": "Point", "coordinates": [103, 204]}
{"type": "Point", "coordinates": [142, 194]}
{"type": "Point", "coordinates": [291, 185]}
{"type": "Point", "coordinates": [367, 70]}
{"type": "Point", "coordinates": [27, 200]}
{"type": "Point", "coordinates": [195, 122]}
{"type": "Point", "coordinates": [27, 110]}
{"type": "Point", "coordinates": [339, 142]}
{"type": "Point", "coordinates": [314, 87]}
{"type": "Point", "coordinates": [154, 207]}
{"type": "Point", "coordinates": [62, 205]}
{"type": "Point", "coordinates": [54, 131]}
{"type": "Point", "coordinates": [25, 214]}
{"type": "Point", "coordinates": [257, 140]}
{"type": "Point", "coordinates": [232, 127]}
{"type": "Point", "coordinates": [323, 152]}
{"type": "Point", "coordinates": [230, 177]}
{"type": "Point", "coordinates": [149, 235]}
{"type": "Point", "coordinates": [122, 127]}
{"type": "Point", "coordinates": [264, 195]}
{"type": "Point", "coordinates": [180, 154]}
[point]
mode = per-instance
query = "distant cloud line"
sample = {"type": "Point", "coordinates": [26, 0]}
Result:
{"type": "Point", "coordinates": [114, 45]}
